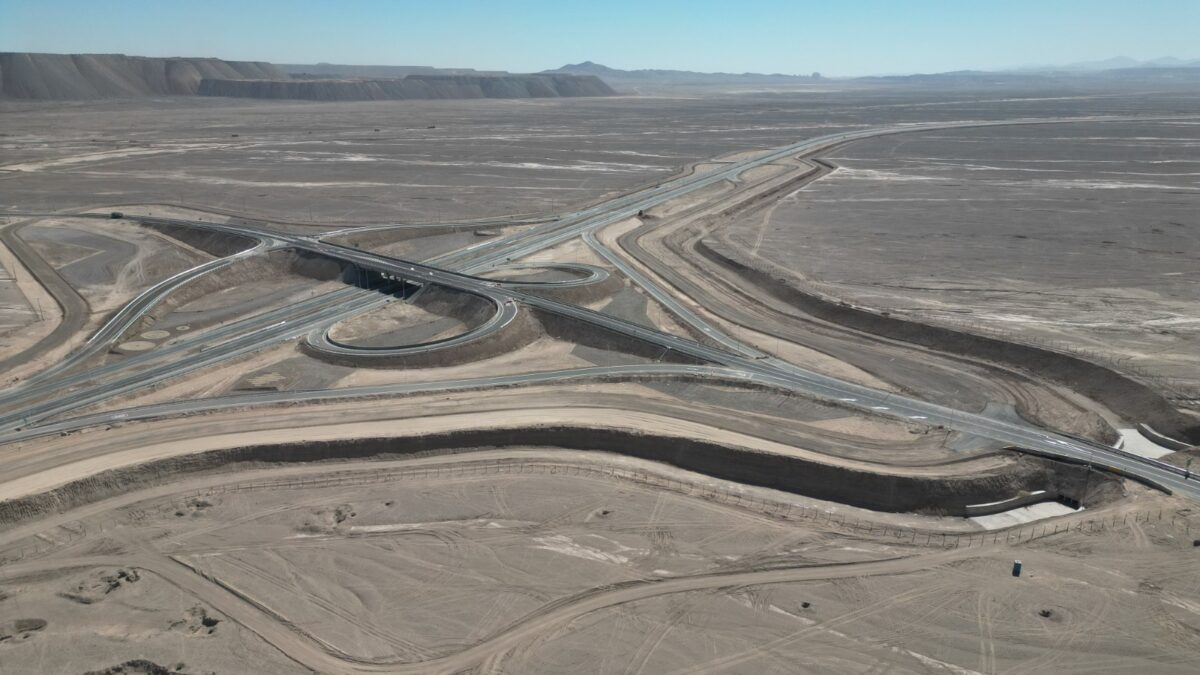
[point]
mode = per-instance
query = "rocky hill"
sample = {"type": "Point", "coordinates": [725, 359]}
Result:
{"type": "Point", "coordinates": [98, 76]}
{"type": "Point", "coordinates": [341, 71]}
{"type": "Point", "coordinates": [95, 76]}
{"type": "Point", "coordinates": [411, 87]}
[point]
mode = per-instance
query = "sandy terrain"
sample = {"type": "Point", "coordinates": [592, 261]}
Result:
{"type": "Point", "coordinates": [396, 324]}
{"type": "Point", "coordinates": [669, 250]}
{"type": "Point", "coordinates": [325, 162]}
{"type": "Point", "coordinates": [438, 564]}
{"type": "Point", "coordinates": [1074, 235]}
{"type": "Point", "coordinates": [109, 261]}
{"type": "Point", "coordinates": [964, 616]}
{"type": "Point", "coordinates": [27, 312]}
{"type": "Point", "coordinates": [43, 470]}
{"type": "Point", "coordinates": [99, 617]}
{"type": "Point", "coordinates": [792, 352]}
{"type": "Point", "coordinates": [596, 524]}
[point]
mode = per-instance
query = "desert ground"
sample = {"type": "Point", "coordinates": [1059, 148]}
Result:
{"type": "Point", "coordinates": [623, 385]}
{"type": "Point", "coordinates": [955, 226]}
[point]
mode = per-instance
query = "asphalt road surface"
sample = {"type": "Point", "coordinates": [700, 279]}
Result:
{"type": "Point", "coordinates": [730, 359]}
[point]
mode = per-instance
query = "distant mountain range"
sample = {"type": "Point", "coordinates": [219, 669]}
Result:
{"type": "Point", "coordinates": [632, 77]}
{"type": "Point", "coordinates": [1115, 63]}
{"type": "Point", "coordinates": [336, 70]}
{"type": "Point", "coordinates": [99, 76]}
{"type": "Point", "coordinates": [93, 76]}
{"type": "Point", "coordinates": [1125, 78]}
{"type": "Point", "coordinates": [1120, 70]}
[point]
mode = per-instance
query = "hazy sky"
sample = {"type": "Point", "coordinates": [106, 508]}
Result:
{"type": "Point", "coordinates": [835, 37]}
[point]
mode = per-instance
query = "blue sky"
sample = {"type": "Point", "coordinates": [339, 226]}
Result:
{"type": "Point", "coordinates": [835, 37]}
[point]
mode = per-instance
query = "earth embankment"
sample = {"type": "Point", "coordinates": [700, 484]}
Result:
{"type": "Point", "coordinates": [1125, 396]}
{"type": "Point", "coordinates": [935, 492]}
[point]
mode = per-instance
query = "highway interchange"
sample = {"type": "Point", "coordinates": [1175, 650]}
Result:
{"type": "Point", "coordinates": [30, 409]}
{"type": "Point", "coordinates": [77, 395]}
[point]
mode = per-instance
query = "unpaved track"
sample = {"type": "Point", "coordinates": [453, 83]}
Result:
{"type": "Point", "coordinates": [666, 250]}
{"type": "Point", "coordinates": [278, 632]}
{"type": "Point", "coordinates": [75, 310]}
{"type": "Point", "coordinates": [44, 471]}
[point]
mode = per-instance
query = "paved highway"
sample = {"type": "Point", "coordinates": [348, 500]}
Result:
{"type": "Point", "coordinates": [769, 370]}
{"type": "Point", "coordinates": [735, 359]}
{"type": "Point", "coordinates": [586, 275]}
{"type": "Point", "coordinates": [540, 237]}
{"type": "Point", "coordinates": [669, 301]}
{"type": "Point", "coordinates": [131, 314]}
{"type": "Point", "coordinates": [261, 398]}
{"type": "Point", "coordinates": [75, 392]}
{"type": "Point", "coordinates": [506, 312]}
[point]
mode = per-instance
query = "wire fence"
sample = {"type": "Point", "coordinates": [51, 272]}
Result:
{"type": "Point", "coordinates": [1179, 527]}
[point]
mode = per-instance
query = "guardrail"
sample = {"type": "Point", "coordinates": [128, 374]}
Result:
{"type": "Point", "coordinates": [1149, 461]}
{"type": "Point", "coordinates": [1099, 464]}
